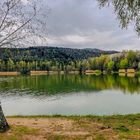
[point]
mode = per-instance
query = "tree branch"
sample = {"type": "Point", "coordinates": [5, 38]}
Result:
{"type": "Point", "coordinates": [8, 9]}
{"type": "Point", "coordinates": [18, 29]}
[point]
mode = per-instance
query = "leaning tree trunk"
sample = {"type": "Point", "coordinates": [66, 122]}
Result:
{"type": "Point", "coordinates": [3, 123]}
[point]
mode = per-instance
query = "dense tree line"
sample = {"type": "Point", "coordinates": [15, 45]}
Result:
{"type": "Point", "coordinates": [58, 59]}
{"type": "Point", "coordinates": [45, 58]}
{"type": "Point", "coordinates": [114, 62]}
{"type": "Point", "coordinates": [49, 53]}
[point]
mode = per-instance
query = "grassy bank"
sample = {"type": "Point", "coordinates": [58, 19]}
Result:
{"type": "Point", "coordinates": [59, 127]}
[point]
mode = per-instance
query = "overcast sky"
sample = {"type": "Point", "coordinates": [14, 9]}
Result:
{"type": "Point", "coordinates": [81, 24]}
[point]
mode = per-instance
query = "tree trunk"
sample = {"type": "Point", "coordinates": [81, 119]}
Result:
{"type": "Point", "coordinates": [3, 123]}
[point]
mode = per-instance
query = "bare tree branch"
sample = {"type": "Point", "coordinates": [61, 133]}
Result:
{"type": "Point", "coordinates": [7, 11]}
{"type": "Point", "coordinates": [17, 29]}
{"type": "Point", "coordinates": [20, 21]}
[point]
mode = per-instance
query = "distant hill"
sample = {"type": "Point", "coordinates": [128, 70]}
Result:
{"type": "Point", "coordinates": [50, 53]}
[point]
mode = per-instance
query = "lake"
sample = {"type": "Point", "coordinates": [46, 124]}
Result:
{"type": "Point", "coordinates": [70, 95]}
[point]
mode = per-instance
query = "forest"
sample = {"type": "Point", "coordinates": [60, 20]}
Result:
{"type": "Point", "coordinates": [66, 59]}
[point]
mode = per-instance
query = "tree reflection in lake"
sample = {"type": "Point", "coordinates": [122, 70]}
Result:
{"type": "Point", "coordinates": [57, 84]}
{"type": "Point", "coordinates": [70, 94]}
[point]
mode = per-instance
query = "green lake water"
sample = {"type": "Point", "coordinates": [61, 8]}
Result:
{"type": "Point", "coordinates": [70, 95]}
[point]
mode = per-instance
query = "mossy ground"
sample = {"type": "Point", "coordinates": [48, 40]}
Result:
{"type": "Point", "coordinates": [73, 128]}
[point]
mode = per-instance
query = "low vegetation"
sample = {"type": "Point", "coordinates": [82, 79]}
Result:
{"type": "Point", "coordinates": [59, 127]}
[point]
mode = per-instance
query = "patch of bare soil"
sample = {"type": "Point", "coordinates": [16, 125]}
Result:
{"type": "Point", "coordinates": [59, 129]}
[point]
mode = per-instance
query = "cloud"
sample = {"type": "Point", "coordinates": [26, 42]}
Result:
{"type": "Point", "coordinates": [25, 1]}
{"type": "Point", "coordinates": [81, 24]}
{"type": "Point", "coordinates": [97, 38]}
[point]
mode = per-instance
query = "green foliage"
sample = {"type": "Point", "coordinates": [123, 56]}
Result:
{"type": "Point", "coordinates": [127, 11]}
{"type": "Point", "coordinates": [110, 65]}
{"type": "Point", "coordinates": [124, 63]}
{"type": "Point", "coordinates": [63, 59]}
{"type": "Point", "coordinates": [98, 72]}
{"type": "Point", "coordinates": [122, 128]}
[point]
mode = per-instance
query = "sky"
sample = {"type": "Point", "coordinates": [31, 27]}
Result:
{"type": "Point", "coordinates": [82, 24]}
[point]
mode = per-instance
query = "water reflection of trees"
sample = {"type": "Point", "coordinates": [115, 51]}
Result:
{"type": "Point", "coordinates": [48, 85]}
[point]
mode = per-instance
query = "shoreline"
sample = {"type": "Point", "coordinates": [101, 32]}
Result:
{"type": "Point", "coordinates": [73, 116]}
{"type": "Point", "coordinates": [35, 73]}
{"type": "Point", "coordinates": [57, 127]}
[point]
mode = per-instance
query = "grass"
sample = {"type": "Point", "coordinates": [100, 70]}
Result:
{"type": "Point", "coordinates": [18, 133]}
{"type": "Point", "coordinates": [24, 130]}
{"type": "Point", "coordinates": [120, 127]}
{"type": "Point", "coordinates": [131, 117]}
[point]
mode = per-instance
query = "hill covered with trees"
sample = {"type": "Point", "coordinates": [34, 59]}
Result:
{"type": "Point", "coordinates": [64, 55]}
{"type": "Point", "coordinates": [45, 58]}
{"type": "Point", "coordinates": [66, 59]}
